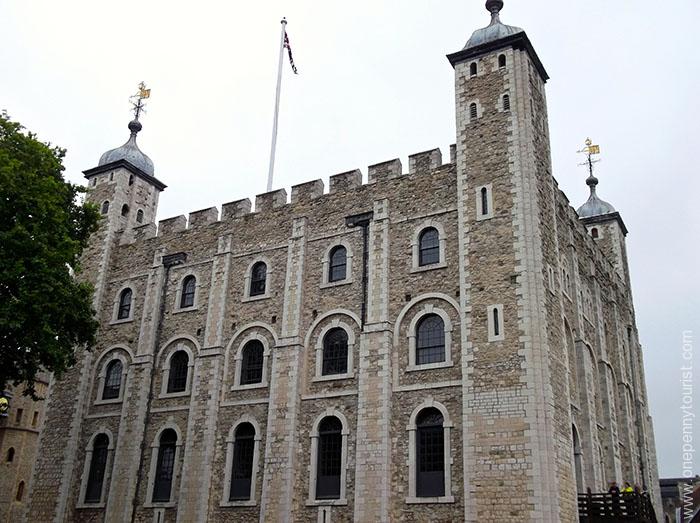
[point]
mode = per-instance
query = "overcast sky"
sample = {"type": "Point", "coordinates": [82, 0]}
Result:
{"type": "Point", "coordinates": [374, 84]}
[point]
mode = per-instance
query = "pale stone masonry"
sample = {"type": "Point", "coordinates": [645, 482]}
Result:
{"type": "Point", "coordinates": [540, 389]}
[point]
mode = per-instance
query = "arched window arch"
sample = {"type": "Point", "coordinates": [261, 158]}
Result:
{"type": "Point", "coordinates": [258, 279]}
{"type": "Point", "coordinates": [252, 362]}
{"type": "Point", "coordinates": [113, 380]}
{"type": "Point", "coordinates": [10, 455]}
{"type": "Point", "coordinates": [473, 111]}
{"type": "Point", "coordinates": [98, 466]}
{"type": "Point", "coordinates": [187, 293]}
{"type": "Point", "coordinates": [105, 207]}
{"type": "Point", "coordinates": [165, 466]}
{"type": "Point", "coordinates": [335, 352]}
{"type": "Point", "coordinates": [20, 491]}
{"type": "Point", "coordinates": [484, 193]}
{"type": "Point", "coordinates": [329, 458]}
{"type": "Point", "coordinates": [428, 247]}
{"type": "Point", "coordinates": [430, 451]}
{"type": "Point", "coordinates": [430, 340]}
{"type": "Point", "coordinates": [473, 69]}
{"type": "Point", "coordinates": [179, 368]}
{"type": "Point", "coordinates": [506, 102]}
{"type": "Point", "coordinates": [139, 216]}
{"type": "Point", "coordinates": [124, 308]}
{"type": "Point", "coordinates": [337, 267]}
{"type": "Point", "coordinates": [501, 60]}
{"type": "Point", "coordinates": [242, 462]}
{"type": "Point", "coordinates": [495, 322]}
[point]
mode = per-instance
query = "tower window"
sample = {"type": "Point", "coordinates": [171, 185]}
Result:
{"type": "Point", "coordinates": [98, 465]}
{"type": "Point", "coordinates": [20, 491]}
{"type": "Point", "coordinates": [125, 210]}
{"type": "Point", "coordinates": [330, 449]}
{"type": "Point", "coordinates": [594, 233]}
{"type": "Point", "coordinates": [113, 380]}
{"type": "Point", "coordinates": [131, 179]}
{"type": "Point", "coordinates": [473, 112]}
{"type": "Point", "coordinates": [337, 268]}
{"type": "Point", "coordinates": [124, 310]}
{"type": "Point", "coordinates": [428, 247]}
{"type": "Point", "coordinates": [242, 471]}
{"type": "Point", "coordinates": [189, 286]}
{"type": "Point", "coordinates": [10, 455]}
{"type": "Point", "coordinates": [252, 363]}
{"type": "Point", "coordinates": [430, 447]}
{"type": "Point", "coordinates": [430, 340]}
{"type": "Point", "coordinates": [139, 216]}
{"type": "Point", "coordinates": [111, 177]}
{"type": "Point", "coordinates": [18, 417]}
{"type": "Point", "coordinates": [35, 418]}
{"type": "Point", "coordinates": [105, 207]}
{"type": "Point", "coordinates": [502, 60]}
{"type": "Point", "coordinates": [258, 277]}
{"type": "Point", "coordinates": [165, 466]}
{"type": "Point", "coordinates": [484, 201]}
{"type": "Point", "coordinates": [506, 102]}
{"type": "Point", "coordinates": [335, 352]}
{"type": "Point", "coordinates": [177, 377]}
{"type": "Point", "coordinates": [495, 322]}
{"type": "Point", "coordinates": [473, 69]}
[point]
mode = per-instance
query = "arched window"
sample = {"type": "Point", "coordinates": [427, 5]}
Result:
{"type": "Point", "coordinates": [10, 454]}
{"type": "Point", "coordinates": [338, 264]}
{"type": "Point", "coordinates": [105, 207]}
{"type": "Point", "coordinates": [428, 247]}
{"type": "Point", "coordinates": [496, 322]}
{"type": "Point", "coordinates": [189, 284]}
{"type": "Point", "coordinates": [113, 380]}
{"type": "Point", "coordinates": [335, 352]}
{"type": "Point", "coordinates": [473, 69]}
{"type": "Point", "coordinates": [258, 277]}
{"type": "Point", "coordinates": [139, 216]}
{"type": "Point", "coordinates": [506, 102]}
{"type": "Point", "coordinates": [242, 466]}
{"type": "Point", "coordinates": [98, 465]}
{"type": "Point", "coordinates": [20, 491]}
{"type": "Point", "coordinates": [165, 466]}
{"type": "Point", "coordinates": [252, 362]}
{"type": "Point", "coordinates": [484, 201]}
{"type": "Point", "coordinates": [430, 454]}
{"type": "Point", "coordinates": [578, 460]}
{"type": "Point", "coordinates": [179, 366]}
{"type": "Point", "coordinates": [473, 112]}
{"type": "Point", "coordinates": [125, 210]}
{"type": "Point", "coordinates": [329, 460]}
{"type": "Point", "coordinates": [502, 60]}
{"type": "Point", "coordinates": [124, 304]}
{"type": "Point", "coordinates": [430, 340]}
{"type": "Point", "coordinates": [594, 233]}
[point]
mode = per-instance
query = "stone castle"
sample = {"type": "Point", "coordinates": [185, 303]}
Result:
{"type": "Point", "coordinates": [454, 342]}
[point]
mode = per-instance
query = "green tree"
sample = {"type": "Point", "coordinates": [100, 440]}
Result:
{"type": "Point", "coordinates": [45, 312]}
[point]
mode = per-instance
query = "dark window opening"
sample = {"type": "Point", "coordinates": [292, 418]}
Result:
{"type": "Point", "coordinates": [10, 454]}
{"type": "Point", "coordinates": [338, 264]}
{"type": "Point", "coordinates": [430, 451]}
{"type": "Point", "coordinates": [35, 419]}
{"type": "Point", "coordinates": [594, 233]}
{"type": "Point", "coordinates": [473, 69]}
{"type": "Point", "coordinates": [113, 380]}
{"type": "Point", "coordinates": [484, 201]}
{"type": "Point", "coordinates": [258, 277]}
{"type": "Point", "coordinates": [177, 377]}
{"type": "Point", "coordinates": [131, 179]}
{"type": "Point", "coordinates": [124, 304]}
{"type": "Point", "coordinates": [189, 284]}
{"type": "Point", "coordinates": [329, 461]}
{"type": "Point", "coordinates": [98, 465]}
{"type": "Point", "coordinates": [139, 216]}
{"type": "Point", "coordinates": [165, 466]}
{"type": "Point", "coordinates": [428, 247]}
{"type": "Point", "coordinates": [243, 453]}
{"type": "Point", "coordinates": [18, 417]}
{"type": "Point", "coordinates": [335, 352]}
{"type": "Point", "coordinates": [105, 207]}
{"type": "Point", "coordinates": [496, 322]}
{"type": "Point", "coordinates": [506, 102]}
{"type": "Point", "coordinates": [430, 340]}
{"type": "Point", "coordinates": [252, 362]}
{"type": "Point", "coordinates": [20, 491]}
{"type": "Point", "coordinates": [502, 60]}
{"type": "Point", "coordinates": [473, 113]}
{"type": "Point", "coordinates": [125, 210]}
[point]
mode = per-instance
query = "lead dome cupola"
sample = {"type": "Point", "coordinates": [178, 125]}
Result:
{"type": "Point", "coordinates": [130, 152]}
{"type": "Point", "coordinates": [594, 206]}
{"type": "Point", "coordinates": [495, 30]}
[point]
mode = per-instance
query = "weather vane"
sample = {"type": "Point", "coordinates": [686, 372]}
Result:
{"type": "Point", "coordinates": [138, 98]}
{"type": "Point", "coordinates": [589, 151]}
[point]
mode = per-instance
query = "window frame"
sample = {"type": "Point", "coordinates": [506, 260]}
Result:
{"type": "Point", "coordinates": [117, 304]}
{"type": "Point", "coordinates": [122, 354]}
{"type": "Point", "coordinates": [238, 362]}
{"type": "Point", "coordinates": [336, 323]}
{"type": "Point", "coordinates": [480, 215]}
{"type": "Point", "coordinates": [248, 280]}
{"type": "Point", "coordinates": [106, 480]}
{"type": "Point", "coordinates": [179, 295]}
{"type": "Point", "coordinates": [415, 246]}
{"type": "Point", "coordinates": [412, 335]}
{"type": "Point", "coordinates": [325, 265]}
{"type": "Point", "coordinates": [165, 371]}
{"type": "Point", "coordinates": [314, 435]}
{"type": "Point", "coordinates": [107, 376]}
{"type": "Point", "coordinates": [155, 447]}
{"type": "Point", "coordinates": [228, 473]}
{"type": "Point", "coordinates": [492, 334]}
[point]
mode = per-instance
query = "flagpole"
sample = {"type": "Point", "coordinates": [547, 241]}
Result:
{"type": "Point", "coordinates": [277, 107]}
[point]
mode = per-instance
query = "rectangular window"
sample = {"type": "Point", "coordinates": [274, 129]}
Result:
{"type": "Point", "coordinates": [18, 416]}
{"type": "Point", "coordinates": [431, 464]}
{"type": "Point", "coordinates": [329, 463]}
{"type": "Point", "coordinates": [242, 469]}
{"type": "Point", "coordinates": [35, 419]}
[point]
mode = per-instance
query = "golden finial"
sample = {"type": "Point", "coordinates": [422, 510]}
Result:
{"type": "Point", "coordinates": [589, 151]}
{"type": "Point", "coordinates": [138, 98]}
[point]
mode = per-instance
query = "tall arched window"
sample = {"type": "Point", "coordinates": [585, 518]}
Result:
{"type": "Point", "coordinates": [473, 112]}
{"type": "Point", "coordinates": [502, 60]}
{"type": "Point", "coordinates": [165, 466]}
{"type": "Point", "coordinates": [578, 460]}
{"type": "Point", "coordinates": [496, 322]}
{"type": "Point", "coordinates": [506, 102]}
{"type": "Point", "coordinates": [484, 201]}
{"type": "Point", "coordinates": [124, 305]}
{"type": "Point", "coordinates": [179, 366]}
{"type": "Point", "coordinates": [113, 380]}
{"type": "Point", "coordinates": [428, 247]}
{"type": "Point", "coordinates": [10, 454]}
{"type": "Point", "coordinates": [329, 460]}
{"type": "Point", "coordinates": [430, 340]}
{"type": "Point", "coordinates": [473, 69]}
{"type": "Point", "coordinates": [105, 207]}
{"type": "Point", "coordinates": [189, 285]}
{"type": "Point", "coordinates": [125, 210]}
{"type": "Point", "coordinates": [252, 362]}
{"type": "Point", "coordinates": [98, 465]}
{"type": "Point", "coordinates": [430, 454]}
{"type": "Point", "coordinates": [139, 216]}
{"type": "Point", "coordinates": [335, 352]}
{"type": "Point", "coordinates": [258, 277]}
{"type": "Point", "coordinates": [242, 466]}
{"type": "Point", "coordinates": [20, 491]}
{"type": "Point", "coordinates": [337, 267]}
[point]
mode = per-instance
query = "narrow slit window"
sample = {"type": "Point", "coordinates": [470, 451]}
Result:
{"type": "Point", "coordinates": [484, 201]}
{"type": "Point", "coordinates": [473, 69]}
{"type": "Point", "coordinates": [496, 322]}
{"type": "Point", "coordinates": [473, 112]}
{"type": "Point", "coordinates": [506, 102]}
{"type": "Point", "coordinates": [139, 216]}
{"type": "Point", "coordinates": [502, 60]}
{"type": "Point", "coordinates": [20, 491]}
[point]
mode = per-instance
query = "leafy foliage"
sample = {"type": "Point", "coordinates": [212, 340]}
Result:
{"type": "Point", "coordinates": [45, 312]}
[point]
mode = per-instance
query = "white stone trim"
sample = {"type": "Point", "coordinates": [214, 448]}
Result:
{"type": "Point", "coordinates": [325, 265]}
{"type": "Point", "coordinates": [155, 445]}
{"type": "Point", "coordinates": [113, 353]}
{"type": "Point", "coordinates": [247, 279]}
{"type": "Point", "coordinates": [115, 306]}
{"type": "Point", "coordinates": [479, 110]}
{"type": "Point", "coordinates": [491, 327]}
{"type": "Point", "coordinates": [178, 294]}
{"type": "Point", "coordinates": [342, 500]}
{"type": "Point", "coordinates": [230, 440]}
{"type": "Point", "coordinates": [165, 370]}
{"type": "Point", "coordinates": [238, 362]}
{"type": "Point", "coordinates": [411, 334]}
{"type": "Point", "coordinates": [447, 426]}
{"type": "Point", "coordinates": [480, 215]}
{"type": "Point", "coordinates": [415, 246]}
{"type": "Point", "coordinates": [86, 469]}
{"type": "Point", "coordinates": [335, 323]}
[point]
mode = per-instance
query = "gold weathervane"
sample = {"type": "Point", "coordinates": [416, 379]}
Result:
{"type": "Point", "coordinates": [589, 151]}
{"type": "Point", "coordinates": [138, 98]}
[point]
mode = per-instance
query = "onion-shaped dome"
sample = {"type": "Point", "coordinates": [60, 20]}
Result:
{"type": "Point", "coordinates": [130, 152]}
{"type": "Point", "coordinates": [495, 30]}
{"type": "Point", "coordinates": [594, 206]}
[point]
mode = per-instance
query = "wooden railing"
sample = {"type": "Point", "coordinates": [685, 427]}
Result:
{"type": "Point", "coordinates": [605, 507]}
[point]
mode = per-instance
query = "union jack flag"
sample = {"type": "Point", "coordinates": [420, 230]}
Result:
{"type": "Point", "coordinates": [288, 46]}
